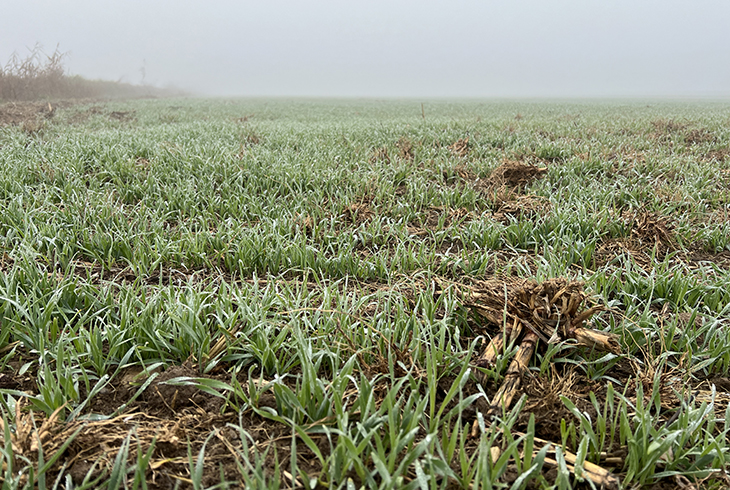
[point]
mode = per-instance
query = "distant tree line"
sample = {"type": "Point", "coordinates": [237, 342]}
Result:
{"type": "Point", "coordinates": [40, 76]}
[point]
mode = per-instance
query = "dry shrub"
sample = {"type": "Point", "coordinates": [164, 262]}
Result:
{"type": "Point", "coordinates": [544, 304]}
{"type": "Point", "coordinates": [649, 232]}
{"type": "Point", "coordinates": [33, 77]}
{"type": "Point", "coordinates": [43, 76]}
{"type": "Point", "coordinates": [505, 187]}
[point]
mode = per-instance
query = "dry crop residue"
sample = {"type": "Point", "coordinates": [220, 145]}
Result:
{"type": "Point", "coordinates": [460, 147]}
{"type": "Point", "coordinates": [505, 187]}
{"type": "Point", "coordinates": [523, 312]}
{"type": "Point", "coordinates": [19, 113]}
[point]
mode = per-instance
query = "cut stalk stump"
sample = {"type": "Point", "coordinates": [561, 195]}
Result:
{"type": "Point", "coordinates": [524, 312]}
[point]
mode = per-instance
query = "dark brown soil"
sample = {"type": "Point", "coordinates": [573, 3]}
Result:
{"type": "Point", "coordinates": [719, 155]}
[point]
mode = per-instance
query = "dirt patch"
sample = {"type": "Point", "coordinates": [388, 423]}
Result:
{"type": "Point", "coordinates": [166, 399]}
{"type": "Point", "coordinates": [243, 119]}
{"type": "Point", "coordinates": [653, 239]}
{"type": "Point", "coordinates": [543, 399]}
{"type": "Point", "coordinates": [6, 262]}
{"type": "Point", "coordinates": [624, 160]}
{"type": "Point", "coordinates": [26, 113]}
{"type": "Point", "coordinates": [12, 380]}
{"type": "Point", "coordinates": [96, 273]}
{"type": "Point", "coordinates": [166, 420]}
{"type": "Point", "coordinates": [665, 131]}
{"type": "Point", "coordinates": [142, 163]}
{"type": "Point", "coordinates": [720, 259]}
{"type": "Point", "coordinates": [94, 448]}
{"type": "Point", "coordinates": [719, 155]}
{"type": "Point", "coordinates": [664, 126]}
{"type": "Point", "coordinates": [303, 223]}
{"type": "Point", "coordinates": [169, 435]}
{"type": "Point", "coordinates": [515, 174]}
{"type": "Point", "coordinates": [459, 175]}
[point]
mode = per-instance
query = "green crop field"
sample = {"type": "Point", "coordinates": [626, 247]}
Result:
{"type": "Point", "coordinates": [365, 294]}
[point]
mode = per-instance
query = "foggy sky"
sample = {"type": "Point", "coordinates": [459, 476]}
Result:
{"type": "Point", "coordinates": [377, 48]}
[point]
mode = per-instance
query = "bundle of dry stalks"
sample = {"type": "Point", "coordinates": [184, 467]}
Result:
{"type": "Point", "coordinates": [32, 77]}
{"type": "Point", "coordinates": [526, 311]}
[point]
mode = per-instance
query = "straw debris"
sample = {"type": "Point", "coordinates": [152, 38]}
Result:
{"type": "Point", "coordinates": [526, 311]}
{"type": "Point", "coordinates": [460, 147]}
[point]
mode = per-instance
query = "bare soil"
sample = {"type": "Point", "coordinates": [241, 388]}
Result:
{"type": "Point", "coordinates": [19, 113]}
